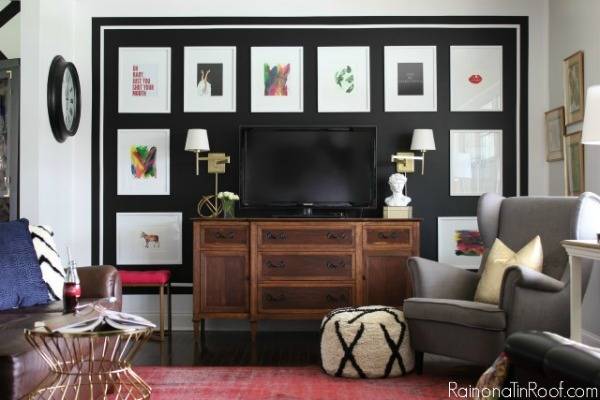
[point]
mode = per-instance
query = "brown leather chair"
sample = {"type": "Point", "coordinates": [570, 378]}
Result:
{"type": "Point", "coordinates": [443, 318]}
{"type": "Point", "coordinates": [21, 369]}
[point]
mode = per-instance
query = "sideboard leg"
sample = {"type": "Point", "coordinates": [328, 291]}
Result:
{"type": "Point", "coordinates": [253, 328]}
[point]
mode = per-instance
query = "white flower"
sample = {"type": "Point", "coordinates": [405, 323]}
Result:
{"type": "Point", "coordinates": [228, 196]}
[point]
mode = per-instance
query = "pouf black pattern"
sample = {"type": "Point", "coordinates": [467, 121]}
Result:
{"type": "Point", "coordinates": [366, 342]}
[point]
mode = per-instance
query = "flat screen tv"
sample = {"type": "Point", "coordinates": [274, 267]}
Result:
{"type": "Point", "coordinates": [308, 167]}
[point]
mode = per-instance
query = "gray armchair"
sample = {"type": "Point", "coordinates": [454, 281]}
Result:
{"type": "Point", "coordinates": [444, 319]}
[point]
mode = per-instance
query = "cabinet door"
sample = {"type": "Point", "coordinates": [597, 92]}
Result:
{"type": "Point", "coordinates": [387, 281]}
{"type": "Point", "coordinates": [224, 282]}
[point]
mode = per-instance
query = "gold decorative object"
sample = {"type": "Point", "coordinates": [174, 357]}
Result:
{"type": "Point", "coordinates": [209, 206]}
{"type": "Point", "coordinates": [90, 365]}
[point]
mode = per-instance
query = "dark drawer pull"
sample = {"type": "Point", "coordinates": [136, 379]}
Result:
{"type": "Point", "coordinates": [274, 299]}
{"type": "Point", "coordinates": [276, 236]}
{"type": "Point", "coordinates": [335, 299]}
{"type": "Point", "coordinates": [386, 236]}
{"type": "Point", "coordinates": [279, 264]}
{"type": "Point", "coordinates": [336, 236]}
{"type": "Point", "coordinates": [227, 235]}
{"type": "Point", "coordinates": [333, 265]}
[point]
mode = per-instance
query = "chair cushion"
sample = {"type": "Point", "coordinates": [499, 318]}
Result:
{"type": "Point", "coordinates": [458, 312]}
{"type": "Point", "coordinates": [153, 277]}
{"type": "Point", "coordinates": [531, 347]}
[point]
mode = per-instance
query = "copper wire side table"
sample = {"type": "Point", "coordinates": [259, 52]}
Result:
{"type": "Point", "coordinates": [90, 365]}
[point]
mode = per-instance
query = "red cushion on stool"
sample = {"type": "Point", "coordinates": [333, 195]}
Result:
{"type": "Point", "coordinates": [153, 277]}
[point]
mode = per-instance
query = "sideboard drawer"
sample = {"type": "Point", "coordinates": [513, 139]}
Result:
{"type": "Point", "coordinates": [389, 235]}
{"type": "Point", "coordinates": [278, 236]}
{"type": "Point", "coordinates": [223, 235]}
{"type": "Point", "coordinates": [274, 298]}
{"type": "Point", "coordinates": [305, 266]}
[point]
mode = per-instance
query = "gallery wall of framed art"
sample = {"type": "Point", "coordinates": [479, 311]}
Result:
{"type": "Point", "coordinates": [396, 73]}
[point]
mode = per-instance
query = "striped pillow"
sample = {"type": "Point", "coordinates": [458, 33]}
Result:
{"type": "Point", "coordinates": [53, 272]}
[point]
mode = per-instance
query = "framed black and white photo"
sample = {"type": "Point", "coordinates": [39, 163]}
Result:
{"type": "Point", "coordinates": [143, 158]}
{"type": "Point", "coordinates": [209, 79]}
{"type": "Point", "coordinates": [276, 79]}
{"type": "Point", "coordinates": [410, 78]}
{"type": "Point", "coordinates": [459, 242]}
{"type": "Point", "coordinates": [144, 80]}
{"type": "Point", "coordinates": [475, 162]}
{"type": "Point", "coordinates": [343, 79]}
{"type": "Point", "coordinates": [149, 238]}
{"type": "Point", "coordinates": [476, 78]}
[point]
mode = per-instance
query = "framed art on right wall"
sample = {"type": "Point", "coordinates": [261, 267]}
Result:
{"type": "Point", "coordinates": [555, 131]}
{"type": "Point", "coordinates": [573, 86]}
{"type": "Point", "coordinates": [574, 165]}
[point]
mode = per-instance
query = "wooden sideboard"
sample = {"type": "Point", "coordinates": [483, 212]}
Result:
{"type": "Point", "coordinates": [256, 269]}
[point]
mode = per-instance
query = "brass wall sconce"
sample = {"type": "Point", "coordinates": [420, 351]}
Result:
{"type": "Point", "coordinates": [423, 141]}
{"type": "Point", "coordinates": [197, 142]}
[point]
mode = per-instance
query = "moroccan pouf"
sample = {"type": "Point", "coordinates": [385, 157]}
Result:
{"type": "Point", "coordinates": [366, 342]}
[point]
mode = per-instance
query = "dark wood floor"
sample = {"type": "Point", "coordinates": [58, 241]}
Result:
{"type": "Point", "coordinates": [225, 348]}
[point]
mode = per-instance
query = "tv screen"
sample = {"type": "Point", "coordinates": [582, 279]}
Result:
{"type": "Point", "coordinates": [321, 167]}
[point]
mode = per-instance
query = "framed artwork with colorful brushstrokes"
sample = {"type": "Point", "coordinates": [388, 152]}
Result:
{"type": "Point", "coordinates": [573, 88]}
{"type": "Point", "coordinates": [459, 242]}
{"type": "Point", "coordinates": [276, 79]}
{"type": "Point", "coordinates": [143, 162]}
{"type": "Point", "coordinates": [476, 78]}
{"type": "Point", "coordinates": [149, 238]}
{"type": "Point", "coordinates": [344, 79]}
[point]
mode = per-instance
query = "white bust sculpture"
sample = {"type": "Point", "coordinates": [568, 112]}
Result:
{"type": "Point", "coordinates": [397, 199]}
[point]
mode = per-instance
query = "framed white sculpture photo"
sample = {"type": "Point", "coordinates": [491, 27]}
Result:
{"type": "Point", "coordinates": [144, 80]}
{"type": "Point", "coordinates": [344, 79]}
{"type": "Point", "coordinates": [143, 162]}
{"type": "Point", "coordinates": [276, 79]}
{"type": "Point", "coordinates": [475, 162]}
{"type": "Point", "coordinates": [152, 238]}
{"type": "Point", "coordinates": [459, 242]}
{"type": "Point", "coordinates": [209, 79]}
{"type": "Point", "coordinates": [410, 78]}
{"type": "Point", "coordinates": [475, 78]}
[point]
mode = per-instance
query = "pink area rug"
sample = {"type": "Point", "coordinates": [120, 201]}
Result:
{"type": "Point", "coordinates": [267, 383]}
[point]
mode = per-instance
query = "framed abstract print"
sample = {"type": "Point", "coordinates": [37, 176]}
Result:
{"type": "Point", "coordinates": [573, 87]}
{"type": "Point", "coordinates": [149, 238]}
{"type": "Point", "coordinates": [459, 242]}
{"type": "Point", "coordinates": [209, 79]}
{"type": "Point", "coordinates": [143, 162]}
{"type": "Point", "coordinates": [555, 131]}
{"type": "Point", "coordinates": [410, 78]}
{"type": "Point", "coordinates": [574, 165]}
{"type": "Point", "coordinates": [144, 80]}
{"type": "Point", "coordinates": [475, 162]}
{"type": "Point", "coordinates": [276, 79]}
{"type": "Point", "coordinates": [476, 78]}
{"type": "Point", "coordinates": [344, 77]}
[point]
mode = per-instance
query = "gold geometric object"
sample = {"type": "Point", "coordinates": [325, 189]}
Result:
{"type": "Point", "coordinates": [209, 208]}
{"type": "Point", "coordinates": [89, 365]}
{"type": "Point", "coordinates": [405, 162]}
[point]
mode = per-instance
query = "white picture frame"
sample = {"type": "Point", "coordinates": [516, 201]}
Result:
{"type": "Point", "coordinates": [144, 80]}
{"type": "Point", "coordinates": [161, 245]}
{"type": "Point", "coordinates": [476, 78]}
{"type": "Point", "coordinates": [343, 79]}
{"type": "Point", "coordinates": [143, 162]}
{"type": "Point", "coordinates": [476, 162]}
{"type": "Point", "coordinates": [410, 77]}
{"type": "Point", "coordinates": [277, 95]}
{"type": "Point", "coordinates": [209, 79]}
{"type": "Point", "coordinates": [459, 242]}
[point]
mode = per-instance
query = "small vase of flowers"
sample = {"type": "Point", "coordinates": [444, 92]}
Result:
{"type": "Point", "coordinates": [228, 200]}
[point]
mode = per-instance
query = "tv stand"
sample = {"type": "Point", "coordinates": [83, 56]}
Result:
{"type": "Point", "coordinates": [290, 268]}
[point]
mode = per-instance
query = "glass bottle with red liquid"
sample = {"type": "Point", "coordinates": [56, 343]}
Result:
{"type": "Point", "coordinates": [71, 289]}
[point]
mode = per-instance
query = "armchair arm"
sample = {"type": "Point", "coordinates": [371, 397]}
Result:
{"type": "Point", "coordinates": [432, 279]}
{"type": "Point", "coordinates": [100, 281]}
{"type": "Point", "coordinates": [534, 301]}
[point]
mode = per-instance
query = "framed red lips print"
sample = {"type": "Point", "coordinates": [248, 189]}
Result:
{"type": "Point", "coordinates": [475, 78]}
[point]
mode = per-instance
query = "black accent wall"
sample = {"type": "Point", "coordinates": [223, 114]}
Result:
{"type": "Point", "coordinates": [430, 192]}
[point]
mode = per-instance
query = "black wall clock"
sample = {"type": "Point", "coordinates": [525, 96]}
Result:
{"type": "Point", "coordinates": [64, 99]}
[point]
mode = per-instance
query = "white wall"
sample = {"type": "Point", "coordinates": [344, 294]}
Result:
{"type": "Point", "coordinates": [573, 26]}
{"type": "Point", "coordinates": [10, 35]}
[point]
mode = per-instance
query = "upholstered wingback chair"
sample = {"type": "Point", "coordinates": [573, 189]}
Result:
{"type": "Point", "coordinates": [444, 319]}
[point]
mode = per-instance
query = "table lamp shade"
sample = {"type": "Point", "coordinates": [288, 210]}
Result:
{"type": "Point", "coordinates": [591, 122]}
{"type": "Point", "coordinates": [422, 140]}
{"type": "Point", "coordinates": [197, 140]}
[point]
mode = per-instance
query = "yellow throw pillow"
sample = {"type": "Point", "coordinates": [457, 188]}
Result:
{"type": "Point", "coordinates": [499, 259]}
